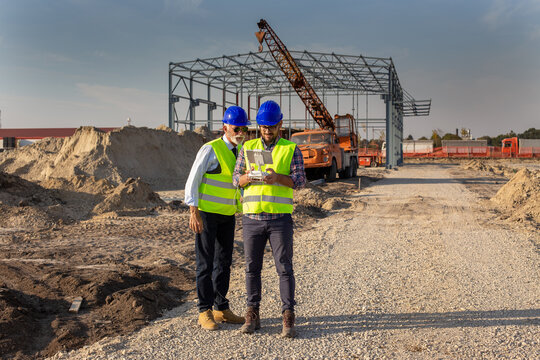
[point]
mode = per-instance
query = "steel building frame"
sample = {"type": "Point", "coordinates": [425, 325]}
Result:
{"type": "Point", "coordinates": [229, 79]}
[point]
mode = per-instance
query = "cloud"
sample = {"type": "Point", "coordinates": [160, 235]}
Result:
{"type": "Point", "coordinates": [58, 58]}
{"type": "Point", "coordinates": [183, 6]}
{"type": "Point", "coordinates": [498, 12]}
{"type": "Point", "coordinates": [138, 104]}
{"type": "Point", "coordinates": [502, 11]}
{"type": "Point", "coordinates": [535, 33]}
{"type": "Point", "coordinates": [100, 54]}
{"type": "Point", "coordinates": [126, 98]}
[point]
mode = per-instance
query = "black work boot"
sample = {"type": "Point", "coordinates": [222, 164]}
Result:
{"type": "Point", "coordinates": [289, 331]}
{"type": "Point", "coordinates": [253, 320]}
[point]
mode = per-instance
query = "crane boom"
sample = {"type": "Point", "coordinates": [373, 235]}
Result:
{"type": "Point", "coordinates": [295, 76]}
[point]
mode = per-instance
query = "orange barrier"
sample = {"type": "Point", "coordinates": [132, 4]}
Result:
{"type": "Point", "coordinates": [469, 152]}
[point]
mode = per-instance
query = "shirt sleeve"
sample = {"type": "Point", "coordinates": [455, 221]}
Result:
{"type": "Point", "coordinates": [199, 167]}
{"type": "Point", "coordinates": [239, 168]}
{"type": "Point", "coordinates": [298, 174]}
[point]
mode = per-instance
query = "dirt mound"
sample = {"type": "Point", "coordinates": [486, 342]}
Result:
{"type": "Point", "coordinates": [164, 127]}
{"type": "Point", "coordinates": [496, 169]}
{"type": "Point", "coordinates": [521, 196]}
{"type": "Point", "coordinates": [80, 183]}
{"type": "Point", "coordinates": [34, 316]}
{"type": "Point", "coordinates": [133, 196]}
{"type": "Point", "coordinates": [205, 132]}
{"type": "Point", "coordinates": [25, 205]}
{"type": "Point", "coordinates": [30, 161]}
{"type": "Point", "coordinates": [160, 158]}
{"type": "Point", "coordinates": [313, 196]}
{"type": "Point", "coordinates": [30, 206]}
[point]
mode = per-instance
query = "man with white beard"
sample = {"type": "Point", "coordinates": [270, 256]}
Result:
{"type": "Point", "coordinates": [213, 201]}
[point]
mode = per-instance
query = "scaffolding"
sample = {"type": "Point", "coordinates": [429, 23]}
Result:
{"type": "Point", "coordinates": [232, 79]}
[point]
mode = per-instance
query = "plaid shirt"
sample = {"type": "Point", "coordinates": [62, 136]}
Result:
{"type": "Point", "coordinates": [298, 176]}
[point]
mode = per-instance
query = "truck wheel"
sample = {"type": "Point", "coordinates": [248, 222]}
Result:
{"type": "Point", "coordinates": [350, 169]}
{"type": "Point", "coordinates": [355, 167]}
{"type": "Point", "coordinates": [373, 163]}
{"type": "Point", "coordinates": [344, 174]}
{"type": "Point", "coordinates": [332, 172]}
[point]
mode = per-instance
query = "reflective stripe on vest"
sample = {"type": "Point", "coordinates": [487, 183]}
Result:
{"type": "Point", "coordinates": [217, 199]}
{"type": "Point", "coordinates": [261, 197]}
{"type": "Point", "coordinates": [216, 192]}
{"type": "Point", "coordinates": [268, 198]}
{"type": "Point", "coordinates": [221, 184]}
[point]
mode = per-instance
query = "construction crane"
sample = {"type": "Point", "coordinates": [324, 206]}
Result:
{"type": "Point", "coordinates": [293, 73]}
{"type": "Point", "coordinates": [334, 148]}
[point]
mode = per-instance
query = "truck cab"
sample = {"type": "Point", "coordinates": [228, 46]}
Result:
{"type": "Point", "coordinates": [321, 152]}
{"type": "Point", "coordinates": [510, 146]}
{"type": "Point", "coordinates": [327, 153]}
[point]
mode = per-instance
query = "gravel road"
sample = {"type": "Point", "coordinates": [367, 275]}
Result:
{"type": "Point", "coordinates": [418, 274]}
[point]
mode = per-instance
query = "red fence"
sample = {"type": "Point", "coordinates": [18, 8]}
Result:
{"type": "Point", "coordinates": [475, 152]}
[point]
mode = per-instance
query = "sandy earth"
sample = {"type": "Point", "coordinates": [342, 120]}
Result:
{"type": "Point", "coordinates": [419, 265]}
{"type": "Point", "coordinates": [432, 249]}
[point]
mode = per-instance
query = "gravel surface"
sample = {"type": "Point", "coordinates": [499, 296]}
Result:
{"type": "Point", "coordinates": [418, 274]}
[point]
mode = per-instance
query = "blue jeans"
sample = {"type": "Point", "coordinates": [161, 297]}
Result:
{"type": "Point", "coordinates": [280, 234]}
{"type": "Point", "coordinates": [213, 255]}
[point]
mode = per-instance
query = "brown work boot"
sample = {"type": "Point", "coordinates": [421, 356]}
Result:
{"type": "Point", "coordinates": [289, 331]}
{"type": "Point", "coordinates": [206, 320]}
{"type": "Point", "coordinates": [227, 316]}
{"type": "Point", "coordinates": [253, 321]}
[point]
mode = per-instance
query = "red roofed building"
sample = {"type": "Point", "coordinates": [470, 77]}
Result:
{"type": "Point", "coordinates": [40, 133]}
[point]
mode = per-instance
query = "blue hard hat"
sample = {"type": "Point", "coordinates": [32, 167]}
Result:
{"type": "Point", "coordinates": [269, 114]}
{"type": "Point", "coordinates": [235, 115]}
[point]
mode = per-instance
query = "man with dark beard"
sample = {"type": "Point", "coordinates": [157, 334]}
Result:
{"type": "Point", "coordinates": [267, 208]}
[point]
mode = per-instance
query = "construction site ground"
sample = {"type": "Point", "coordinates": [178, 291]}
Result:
{"type": "Point", "coordinates": [426, 261]}
{"type": "Point", "coordinates": [417, 265]}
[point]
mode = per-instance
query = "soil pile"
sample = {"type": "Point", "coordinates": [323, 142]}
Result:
{"type": "Point", "coordinates": [30, 161]}
{"type": "Point", "coordinates": [496, 169]}
{"type": "Point", "coordinates": [312, 196]}
{"type": "Point", "coordinates": [164, 127]}
{"type": "Point", "coordinates": [160, 158]}
{"type": "Point", "coordinates": [132, 197]}
{"type": "Point", "coordinates": [34, 303]}
{"type": "Point", "coordinates": [28, 206]}
{"type": "Point", "coordinates": [80, 183]}
{"type": "Point", "coordinates": [205, 132]}
{"type": "Point", "coordinates": [521, 196]}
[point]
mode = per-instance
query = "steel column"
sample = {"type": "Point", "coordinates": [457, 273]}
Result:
{"type": "Point", "coordinates": [210, 110]}
{"type": "Point", "coordinates": [390, 163]}
{"type": "Point", "coordinates": [191, 106]}
{"type": "Point", "coordinates": [249, 107]}
{"type": "Point", "coordinates": [171, 104]}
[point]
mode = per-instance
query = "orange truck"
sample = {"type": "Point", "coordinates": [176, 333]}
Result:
{"type": "Point", "coordinates": [514, 147]}
{"type": "Point", "coordinates": [330, 152]}
{"type": "Point", "coordinates": [370, 156]}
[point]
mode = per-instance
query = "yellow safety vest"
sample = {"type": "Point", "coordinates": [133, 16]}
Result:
{"type": "Point", "coordinates": [276, 198]}
{"type": "Point", "coordinates": [216, 192]}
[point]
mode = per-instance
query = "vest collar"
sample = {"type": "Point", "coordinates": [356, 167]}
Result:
{"type": "Point", "coordinates": [272, 144]}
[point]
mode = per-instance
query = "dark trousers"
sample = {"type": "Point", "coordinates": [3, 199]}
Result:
{"type": "Point", "coordinates": [280, 234]}
{"type": "Point", "coordinates": [213, 255]}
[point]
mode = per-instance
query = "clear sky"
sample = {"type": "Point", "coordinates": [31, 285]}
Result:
{"type": "Point", "coordinates": [68, 63]}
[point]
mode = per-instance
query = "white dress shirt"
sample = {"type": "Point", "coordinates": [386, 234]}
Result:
{"type": "Point", "coordinates": [206, 160]}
